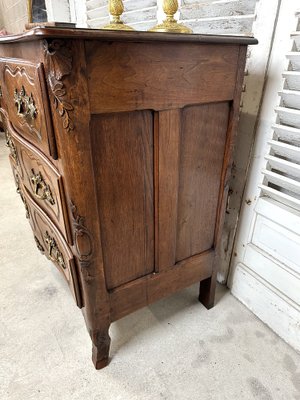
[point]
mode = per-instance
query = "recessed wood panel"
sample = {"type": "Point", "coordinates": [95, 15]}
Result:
{"type": "Point", "coordinates": [123, 160]}
{"type": "Point", "coordinates": [203, 137]}
{"type": "Point", "coordinates": [169, 76]}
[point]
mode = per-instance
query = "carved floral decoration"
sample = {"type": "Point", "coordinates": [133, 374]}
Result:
{"type": "Point", "coordinates": [59, 59]}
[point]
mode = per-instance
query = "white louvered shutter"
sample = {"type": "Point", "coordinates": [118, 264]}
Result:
{"type": "Point", "coordinates": [265, 273]}
{"type": "Point", "coordinates": [141, 14]}
{"type": "Point", "coordinates": [282, 172]}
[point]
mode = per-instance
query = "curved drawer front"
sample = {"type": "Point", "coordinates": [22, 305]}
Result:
{"type": "Point", "coordinates": [24, 97]}
{"type": "Point", "coordinates": [12, 148]}
{"type": "Point", "coordinates": [52, 244]}
{"type": "Point", "coordinates": [18, 183]}
{"type": "Point", "coordinates": [43, 182]}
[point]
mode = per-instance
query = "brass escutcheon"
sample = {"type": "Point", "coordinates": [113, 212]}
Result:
{"type": "Point", "coordinates": [40, 188]}
{"type": "Point", "coordinates": [25, 104]}
{"type": "Point", "coordinates": [53, 251]}
{"type": "Point", "coordinates": [12, 147]}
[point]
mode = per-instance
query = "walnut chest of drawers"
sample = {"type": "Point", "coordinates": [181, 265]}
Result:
{"type": "Point", "coordinates": [121, 148]}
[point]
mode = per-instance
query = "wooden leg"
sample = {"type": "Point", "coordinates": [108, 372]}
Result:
{"type": "Point", "coordinates": [207, 292]}
{"type": "Point", "coordinates": [101, 344]}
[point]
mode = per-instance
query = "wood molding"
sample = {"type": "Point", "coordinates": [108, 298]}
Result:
{"type": "Point", "coordinates": [82, 238]}
{"type": "Point", "coordinates": [59, 57]}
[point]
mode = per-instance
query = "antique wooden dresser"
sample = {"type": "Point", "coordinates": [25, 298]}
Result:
{"type": "Point", "coordinates": [121, 149]}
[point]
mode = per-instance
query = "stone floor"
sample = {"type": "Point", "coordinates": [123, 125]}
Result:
{"type": "Point", "coordinates": [175, 349]}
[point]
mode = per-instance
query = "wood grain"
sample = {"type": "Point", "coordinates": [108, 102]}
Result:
{"type": "Point", "coordinates": [148, 289]}
{"type": "Point", "coordinates": [145, 76]}
{"type": "Point", "coordinates": [203, 137]}
{"type": "Point", "coordinates": [123, 159]}
{"type": "Point", "coordinates": [168, 165]}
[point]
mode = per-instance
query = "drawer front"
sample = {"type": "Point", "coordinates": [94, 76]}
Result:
{"type": "Point", "coordinates": [51, 243]}
{"type": "Point", "coordinates": [12, 148]}
{"type": "Point", "coordinates": [24, 96]}
{"type": "Point", "coordinates": [18, 183]}
{"type": "Point", "coordinates": [43, 182]}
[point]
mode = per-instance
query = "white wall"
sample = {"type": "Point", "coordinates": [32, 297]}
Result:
{"type": "Point", "coordinates": [14, 15]}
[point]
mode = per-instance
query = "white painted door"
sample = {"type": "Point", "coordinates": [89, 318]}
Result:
{"type": "Point", "coordinates": [265, 272]}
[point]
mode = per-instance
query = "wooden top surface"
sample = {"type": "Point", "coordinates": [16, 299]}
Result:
{"type": "Point", "coordinates": [134, 36]}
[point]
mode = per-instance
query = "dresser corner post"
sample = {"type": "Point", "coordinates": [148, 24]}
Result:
{"type": "Point", "coordinates": [207, 287]}
{"type": "Point", "coordinates": [67, 83]}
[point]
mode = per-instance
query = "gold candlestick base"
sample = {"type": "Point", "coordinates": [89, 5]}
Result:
{"type": "Point", "coordinates": [170, 24]}
{"type": "Point", "coordinates": [116, 9]}
{"type": "Point", "coordinates": [118, 26]}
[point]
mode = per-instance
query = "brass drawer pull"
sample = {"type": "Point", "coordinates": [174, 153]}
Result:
{"type": "Point", "coordinates": [40, 188]}
{"type": "Point", "coordinates": [12, 147]}
{"type": "Point", "coordinates": [38, 245]}
{"type": "Point", "coordinates": [53, 251]}
{"type": "Point", "coordinates": [25, 104]}
{"type": "Point", "coordinates": [19, 191]}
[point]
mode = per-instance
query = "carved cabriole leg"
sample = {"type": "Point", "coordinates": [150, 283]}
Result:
{"type": "Point", "coordinates": [208, 286]}
{"type": "Point", "coordinates": [65, 69]}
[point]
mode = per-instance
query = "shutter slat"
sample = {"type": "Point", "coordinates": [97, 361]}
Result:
{"type": "Point", "coordinates": [289, 168]}
{"type": "Point", "coordinates": [292, 79]}
{"type": "Point", "coordinates": [216, 9]}
{"type": "Point", "coordinates": [288, 116]}
{"type": "Point", "coordinates": [280, 196]}
{"type": "Point", "coordinates": [139, 17]}
{"type": "Point", "coordinates": [222, 25]}
{"type": "Point", "coordinates": [98, 22]}
{"type": "Point", "coordinates": [296, 37]}
{"type": "Point", "coordinates": [282, 181]}
{"type": "Point", "coordinates": [90, 4]}
{"type": "Point", "coordinates": [285, 150]}
{"type": "Point", "coordinates": [294, 58]}
{"type": "Point", "coordinates": [290, 98]}
{"type": "Point", "coordinates": [133, 5]}
{"type": "Point", "coordinates": [287, 134]}
{"type": "Point", "coordinates": [97, 12]}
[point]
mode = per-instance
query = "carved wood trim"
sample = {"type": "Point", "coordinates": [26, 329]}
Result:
{"type": "Point", "coordinates": [82, 238]}
{"type": "Point", "coordinates": [59, 58]}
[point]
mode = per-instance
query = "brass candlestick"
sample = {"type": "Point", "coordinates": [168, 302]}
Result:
{"type": "Point", "coordinates": [116, 9]}
{"type": "Point", "coordinates": [170, 24]}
